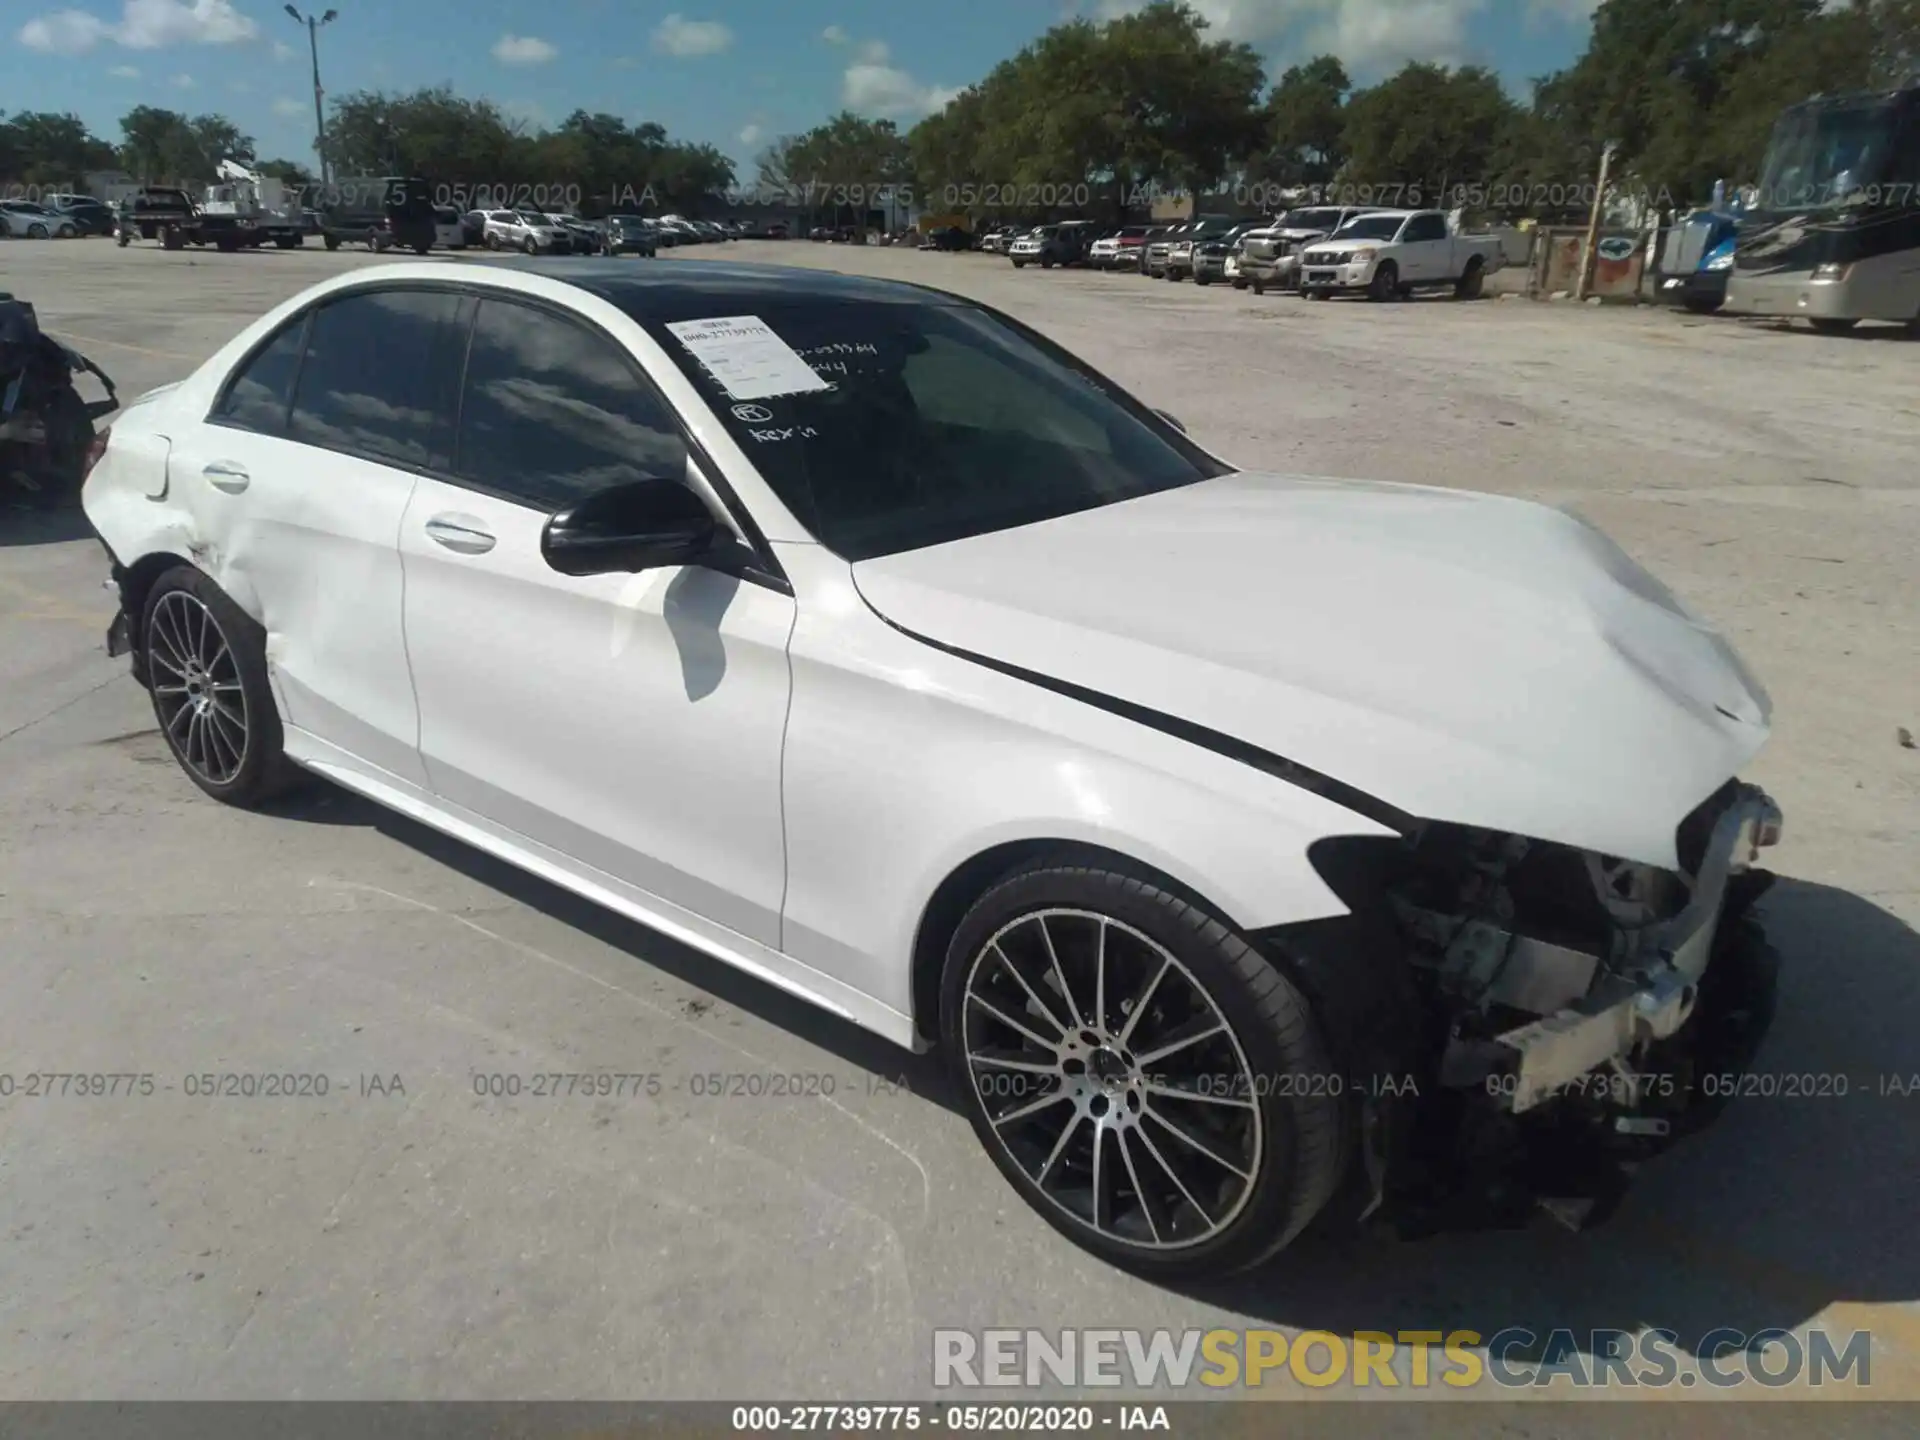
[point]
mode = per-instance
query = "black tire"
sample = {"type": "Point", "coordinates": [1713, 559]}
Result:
{"type": "Point", "coordinates": [263, 770]}
{"type": "Point", "coordinates": [1259, 287]}
{"type": "Point", "coordinates": [172, 239]}
{"type": "Point", "coordinates": [1473, 284]}
{"type": "Point", "coordinates": [1385, 284]}
{"type": "Point", "coordinates": [1240, 284]}
{"type": "Point", "coordinates": [37, 231]}
{"type": "Point", "coordinates": [285, 242]}
{"type": "Point", "coordinates": [1827, 325]}
{"type": "Point", "coordinates": [1202, 280]}
{"type": "Point", "coordinates": [1702, 304]}
{"type": "Point", "coordinates": [1296, 1128]}
{"type": "Point", "coordinates": [531, 246]}
{"type": "Point", "coordinates": [1019, 264]}
{"type": "Point", "coordinates": [422, 249]}
{"type": "Point", "coordinates": [332, 242]}
{"type": "Point", "coordinates": [491, 241]}
{"type": "Point", "coordinates": [227, 244]}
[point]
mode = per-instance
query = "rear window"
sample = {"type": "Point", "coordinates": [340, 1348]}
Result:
{"type": "Point", "coordinates": [937, 422]}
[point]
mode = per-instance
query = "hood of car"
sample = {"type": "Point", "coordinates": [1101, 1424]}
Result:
{"type": "Point", "coordinates": [1341, 247]}
{"type": "Point", "coordinates": [1461, 657]}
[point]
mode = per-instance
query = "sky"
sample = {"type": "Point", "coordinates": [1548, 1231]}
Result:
{"type": "Point", "coordinates": [733, 73]}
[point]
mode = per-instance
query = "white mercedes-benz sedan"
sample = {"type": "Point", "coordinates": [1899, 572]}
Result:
{"type": "Point", "coordinates": [1254, 846]}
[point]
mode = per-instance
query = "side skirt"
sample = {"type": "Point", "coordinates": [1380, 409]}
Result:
{"type": "Point", "coordinates": [762, 962]}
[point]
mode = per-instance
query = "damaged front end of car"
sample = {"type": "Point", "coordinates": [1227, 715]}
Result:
{"type": "Point", "coordinates": [1520, 1023]}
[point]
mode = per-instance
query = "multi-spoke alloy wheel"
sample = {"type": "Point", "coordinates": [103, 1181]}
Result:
{"type": "Point", "coordinates": [1148, 1080]}
{"type": "Point", "coordinates": [196, 688]}
{"type": "Point", "coordinates": [1112, 1078]}
{"type": "Point", "coordinates": [204, 659]}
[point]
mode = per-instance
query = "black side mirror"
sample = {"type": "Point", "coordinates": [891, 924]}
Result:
{"type": "Point", "coordinates": [648, 524]}
{"type": "Point", "coordinates": [1172, 420]}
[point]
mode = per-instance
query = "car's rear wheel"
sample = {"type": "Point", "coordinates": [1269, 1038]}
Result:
{"type": "Point", "coordinates": [206, 668]}
{"type": "Point", "coordinates": [1148, 1081]}
{"type": "Point", "coordinates": [1472, 284]}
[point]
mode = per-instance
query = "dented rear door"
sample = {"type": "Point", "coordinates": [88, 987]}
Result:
{"type": "Point", "coordinates": [301, 526]}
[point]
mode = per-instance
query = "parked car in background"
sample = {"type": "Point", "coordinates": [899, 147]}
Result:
{"type": "Point", "coordinates": [1180, 249]}
{"type": "Point", "coordinates": [1119, 249]}
{"type": "Point", "coordinates": [1159, 244]}
{"type": "Point", "coordinates": [30, 221]}
{"type": "Point", "coordinates": [1270, 253]}
{"type": "Point", "coordinates": [1025, 250]}
{"type": "Point", "coordinates": [90, 216]}
{"type": "Point", "coordinates": [381, 212]}
{"type": "Point", "coordinates": [523, 230]}
{"type": "Point", "coordinates": [947, 237]}
{"type": "Point", "coordinates": [628, 235]}
{"type": "Point", "coordinates": [1208, 258]}
{"type": "Point", "coordinates": [1064, 242]}
{"type": "Point", "coordinates": [1392, 253]}
{"type": "Point", "coordinates": [582, 238]}
{"type": "Point", "coordinates": [449, 228]}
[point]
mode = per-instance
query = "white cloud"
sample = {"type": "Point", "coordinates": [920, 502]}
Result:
{"type": "Point", "coordinates": [890, 93]}
{"type": "Point", "coordinates": [125, 72]}
{"type": "Point", "coordinates": [749, 134]}
{"type": "Point", "coordinates": [874, 52]}
{"type": "Point", "coordinates": [523, 50]}
{"type": "Point", "coordinates": [181, 82]}
{"type": "Point", "coordinates": [67, 32]}
{"type": "Point", "coordinates": [282, 51]}
{"type": "Point", "coordinates": [289, 107]}
{"type": "Point", "coordinates": [677, 35]}
{"type": "Point", "coordinates": [834, 35]}
{"type": "Point", "coordinates": [143, 25]}
{"type": "Point", "coordinates": [526, 112]}
{"type": "Point", "coordinates": [1367, 34]}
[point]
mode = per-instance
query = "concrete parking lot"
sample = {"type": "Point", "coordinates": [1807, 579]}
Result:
{"type": "Point", "coordinates": [412, 1238]}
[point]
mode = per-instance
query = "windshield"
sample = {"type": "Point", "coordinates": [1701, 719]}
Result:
{"type": "Point", "coordinates": [1309, 220]}
{"type": "Point", "coordinates": [1820, 155]}
{"type": "Point", "coordinates": [539, 222]}
{"type": "Point", "coordinates": [1371, 227]}
{"type": "Point", "coordinates": [938, 422]}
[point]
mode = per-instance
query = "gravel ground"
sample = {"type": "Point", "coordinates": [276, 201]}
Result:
{"type": "Point", "coordinates": [436, 1244]}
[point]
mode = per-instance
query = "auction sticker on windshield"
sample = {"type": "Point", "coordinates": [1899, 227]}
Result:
{"type": "Point", "coordinates": [748, 360]}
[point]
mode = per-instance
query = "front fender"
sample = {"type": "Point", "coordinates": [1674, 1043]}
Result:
{"type": "Point", "coordinates": [903, 762]}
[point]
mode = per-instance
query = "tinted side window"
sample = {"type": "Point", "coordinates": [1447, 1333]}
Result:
{"type": "Point", "coordinates": [1426, 227]}
{"type": "Point", "coordinates": [377, 377]}
{"type": "Point", "coordinates": [259, 393]}
{"type": "Point", "coordinates": [554, 411]}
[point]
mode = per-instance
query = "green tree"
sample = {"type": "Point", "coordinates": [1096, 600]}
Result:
{"type": "Point", "coordinates": [1305, 121]}
{"type": "Point", "coordinates": [1428, 134]}
{"type": "Point", "coordinates": [44, 149]}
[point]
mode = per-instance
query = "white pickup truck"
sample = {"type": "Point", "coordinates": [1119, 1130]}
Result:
{"type": "Point", "coordinates": [1392, 253]}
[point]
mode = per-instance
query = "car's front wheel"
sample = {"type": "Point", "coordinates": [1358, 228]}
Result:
{"type": "Point", "coordinates": [206, 667]}
{"type": "Point", "coordinates": [1146, 1079]}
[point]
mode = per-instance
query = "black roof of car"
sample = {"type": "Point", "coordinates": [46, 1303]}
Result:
{"type": "Point", "coordinates": [692, 290]}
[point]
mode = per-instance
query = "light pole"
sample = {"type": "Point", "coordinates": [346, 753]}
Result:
{"type": "Point", "coordinates": [319, 118]}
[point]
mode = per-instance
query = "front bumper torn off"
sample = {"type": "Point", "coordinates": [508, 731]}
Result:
{"type": "Point", "coordinates": [1653, 995]}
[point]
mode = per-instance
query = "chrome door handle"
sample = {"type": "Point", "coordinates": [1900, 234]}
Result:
{"type": "Point", "coordinates": [460, 532]}
{"type": "Point", "coordinates": [227, 476]}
